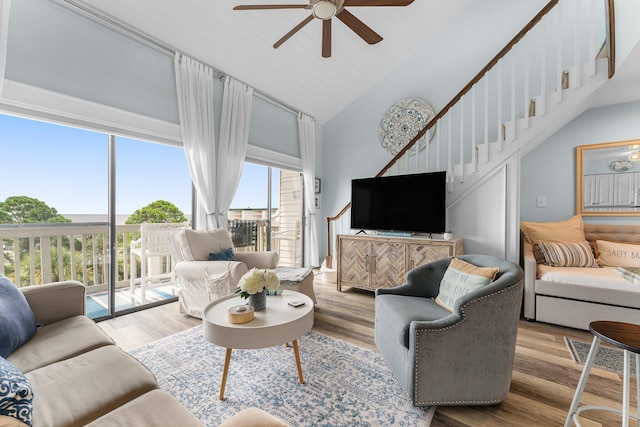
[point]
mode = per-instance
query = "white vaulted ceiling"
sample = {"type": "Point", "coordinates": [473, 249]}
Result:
{"type": "Point", "coordinates": [239, 43]}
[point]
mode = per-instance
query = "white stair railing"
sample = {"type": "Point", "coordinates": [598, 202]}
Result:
{"type": "Point", "coordinates": [497, 112]}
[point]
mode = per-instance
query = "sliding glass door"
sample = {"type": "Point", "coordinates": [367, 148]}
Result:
{"type": "Point", "coordinates": [54, 205]}
{"type": "Point", "coordinates": [270, 200]}
{"type": "Point", "coordinates": [152, 186]}
{"type": "Point", "coordinates": [60, 185]}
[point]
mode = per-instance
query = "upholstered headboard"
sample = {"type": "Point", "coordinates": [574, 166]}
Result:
{"type": "Point", "coordinates": [614, 233]}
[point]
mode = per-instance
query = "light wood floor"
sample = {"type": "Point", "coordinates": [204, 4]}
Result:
{"type": "Point", "coordinates": [544, 375]}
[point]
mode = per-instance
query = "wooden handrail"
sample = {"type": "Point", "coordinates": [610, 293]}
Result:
{"type": "Point", "coordinates": [611, 39]}
{"type": "Point", "coordinates": [469, 85]}
{"type": "Point", "coordinates": [329, 259]}
{"type": "Point", "coordinates": [532, 23]}
{"type": "Point", "coordinates": [444, 111]}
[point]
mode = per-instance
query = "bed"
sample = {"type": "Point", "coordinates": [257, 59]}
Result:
{"type": "Point", "coordinates": [576, 296]}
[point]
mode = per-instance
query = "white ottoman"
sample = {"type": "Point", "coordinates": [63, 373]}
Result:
{"type": "Point", "coordinates": [297, 279]}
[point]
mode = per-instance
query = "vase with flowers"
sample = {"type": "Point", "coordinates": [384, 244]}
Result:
{"type": "Point", "coordinates": [253, 284]}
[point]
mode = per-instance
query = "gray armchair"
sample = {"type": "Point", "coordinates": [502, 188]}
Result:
{"type": "Point", "coordinates": [464, 357]}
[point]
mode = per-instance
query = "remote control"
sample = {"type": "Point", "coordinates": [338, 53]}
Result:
{"type": "Point", "coordinates": [296, 303]}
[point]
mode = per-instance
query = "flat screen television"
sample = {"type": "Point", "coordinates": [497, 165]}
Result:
{"type": "Point", "coordinates": [407, 203]}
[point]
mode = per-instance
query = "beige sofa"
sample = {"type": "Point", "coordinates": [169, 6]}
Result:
{"type": "Point", "coordinates": [574, 296]}
{"type": "Point", "coordinates": [79, 377]}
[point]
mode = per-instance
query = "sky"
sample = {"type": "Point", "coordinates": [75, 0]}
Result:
{"type": "Point", "coordinates": [67, 169]}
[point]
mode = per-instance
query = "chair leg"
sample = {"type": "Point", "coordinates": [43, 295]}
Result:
{"type": "Point", "coordinates": [625, 388]}
{"type": "Point", "coordinates": [638, 387]}
{"type": "Point", "coordinates": [174, 280]}
{"type": "Point", "coordinates": [583, 381]}
{"type": "Point", "coordinates": [143, 282]}
{"type": "Point", "coordinates": [132, 277]}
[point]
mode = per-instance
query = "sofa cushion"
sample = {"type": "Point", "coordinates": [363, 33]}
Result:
{"type": "Point", "coordinates": [17, 323]}
{"type": "Point", "coordinates": [396, 312]}
{"type": "Point", "coordinates": [76, 391]}
{"type": "Point", "coordinates": [16, 394]}
{"type": "Point", "coordinates": [558, 254]}
{"type": "Point", "coordinates": [618, 254]}
{"type": "Point", "coordinates": [196, 245]}
{"type": "Point", "coordinates": [59, 341]}
{"type": "Point", "coordinates": [460, 278]}
{"type": "Point", "coordinates": [571, 230]}
{"type": "Point", "coordinates": [154, 408]}
{"type": "Point", "coordinates": [224, 255]}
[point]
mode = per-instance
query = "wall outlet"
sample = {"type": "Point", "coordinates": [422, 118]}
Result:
{"type": "Point", "coordinates": [541, 202]}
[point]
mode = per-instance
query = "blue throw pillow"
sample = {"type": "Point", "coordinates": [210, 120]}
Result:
{"type": "Point", "coordinates": [225, 255]}
{"type": "Point", "coordinates": [16, 395]}
{"type": "Point", "coordinates": [17, 323]}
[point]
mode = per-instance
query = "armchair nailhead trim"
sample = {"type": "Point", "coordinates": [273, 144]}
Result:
{"type": "Point", "coordinates": [464, 318]}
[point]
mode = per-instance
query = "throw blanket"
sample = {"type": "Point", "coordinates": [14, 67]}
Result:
{"type": "Point", "coordinates": [291, 275]}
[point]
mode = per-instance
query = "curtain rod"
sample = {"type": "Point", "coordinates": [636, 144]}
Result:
{"type": "Point", "coordinates": [170, 50]}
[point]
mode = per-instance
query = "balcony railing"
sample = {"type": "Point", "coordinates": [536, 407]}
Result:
{"type": "Point", "coordinates": [43, 253]}
{"type": "Point", "coordinates": [40, 253]}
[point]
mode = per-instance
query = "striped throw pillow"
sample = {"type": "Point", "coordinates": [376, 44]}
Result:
{"type": "Point", "coordinates": [578, 254]}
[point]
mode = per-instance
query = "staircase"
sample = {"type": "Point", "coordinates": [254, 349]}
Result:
{"type": "Point", "coordinates": [533, 87]}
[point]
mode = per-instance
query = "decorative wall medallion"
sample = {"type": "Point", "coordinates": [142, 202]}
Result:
{"type": "Point", "coordinates": [402, 122]}
{"type": "Point", "coordinates": [621, 165]}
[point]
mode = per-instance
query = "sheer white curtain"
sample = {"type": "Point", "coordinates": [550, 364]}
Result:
{"type": "Point", "coordinates": [307, 136]}
{"type": "Point", "coordinates": [195, 82]}
{"type": "Point", "coordinates": [4, 32]}
{"type": "Point", "coordinates": [232, 145]}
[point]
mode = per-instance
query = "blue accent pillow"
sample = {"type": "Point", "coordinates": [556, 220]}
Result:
{"type": "Point", "coordinates": [225, 255]}
{"type": "Point", "coordinates": [16, 395]}
{"type": "Point", "coordinates": [17, 323]}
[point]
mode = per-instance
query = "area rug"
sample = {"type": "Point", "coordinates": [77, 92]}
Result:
{"type": "Point", "coordinates": [345, 385]}
{"type": "Point", "coordinates": [608, 358]}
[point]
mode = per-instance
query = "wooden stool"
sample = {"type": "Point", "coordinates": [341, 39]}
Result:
{"type": "Point", "coordinates": [622, 335]}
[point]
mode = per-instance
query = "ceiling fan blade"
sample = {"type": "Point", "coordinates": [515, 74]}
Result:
{"type": "Point", "coordinates": [292, 32]}
{"type": "Point", "coordinates": [270, 6]}
{"type": "Point", "coordinates": [359, 27]}
{"type": "Point", "coordinates": [351, 3]}
{"type": "Point", "coordinates": [326, 38]}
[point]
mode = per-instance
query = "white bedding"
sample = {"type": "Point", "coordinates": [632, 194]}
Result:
{"type": "Point", "coordinates": [594, 277]}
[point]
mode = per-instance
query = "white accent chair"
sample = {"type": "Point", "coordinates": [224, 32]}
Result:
{"type": "Point", "coordinates": [194, 269]}
{"type": "Point", "coordinates": [153, 248]}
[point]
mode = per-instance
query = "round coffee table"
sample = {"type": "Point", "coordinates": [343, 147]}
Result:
{"type": "Point", "coordinates": [279, 324]}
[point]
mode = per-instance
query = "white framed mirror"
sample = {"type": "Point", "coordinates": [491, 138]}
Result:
{"type": "Point", "coordinates": [608, 179]}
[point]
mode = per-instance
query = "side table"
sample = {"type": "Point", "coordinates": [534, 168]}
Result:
{"type": "Point", "coordinates": [622, 335]}
{"type": "Point", "coordinates": [297, 279]}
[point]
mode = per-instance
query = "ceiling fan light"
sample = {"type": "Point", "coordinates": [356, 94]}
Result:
{"type": "Point", "coordinates": [324, 10]}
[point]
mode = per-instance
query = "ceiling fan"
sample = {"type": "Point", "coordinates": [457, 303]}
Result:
{"type": "Point", "coordinates": [327, 9]}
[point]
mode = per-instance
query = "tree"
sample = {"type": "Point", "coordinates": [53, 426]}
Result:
{"type": "Point", "coordinates": [157, 212]}
{"type": "Point", "coordinates": [23, 209]}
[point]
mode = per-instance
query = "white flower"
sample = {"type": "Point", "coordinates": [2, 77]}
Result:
{"type": "Point", "coordinates": [255, 281]}
{"type": "Point", "coordinates": [251, 282]}
{"type": "Point", "coordinates": [271, 280]}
